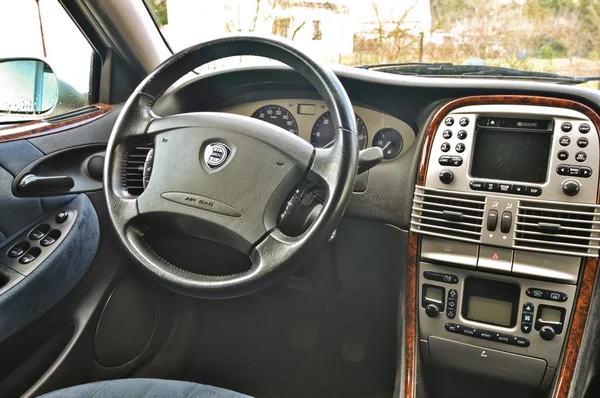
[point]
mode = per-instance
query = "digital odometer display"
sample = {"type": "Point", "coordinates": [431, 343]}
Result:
{"type": "Point", "coordinates": [323, 131]}
{"type": "Point", "coordinates": [278, 116]}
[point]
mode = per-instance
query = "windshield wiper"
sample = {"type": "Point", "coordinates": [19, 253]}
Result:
{"type": "Point", "coordinates": [474, 71]}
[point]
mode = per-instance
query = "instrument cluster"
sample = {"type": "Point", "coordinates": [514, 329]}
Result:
{"type": "Point", "coordinates": [311, 120]}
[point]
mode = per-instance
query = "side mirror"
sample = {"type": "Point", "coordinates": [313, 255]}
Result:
{"type": "Point", "coordinates": [27, 86]}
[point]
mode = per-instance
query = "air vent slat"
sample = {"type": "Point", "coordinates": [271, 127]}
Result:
{"type": "Point", "coordinates": [440, 213]}
{"type": "Point", "coordinates": [425, 195]}
{"type": "Point", "coordinates": [549, 235]}
{"type": "Point", "coordinates": [133, 172]}
{"type": "Point", "coordinates": [575, 228]}
{"type": "Point", "coordinates": [447, 214]}
{"type": "Point", "coordinates": [448, 206]}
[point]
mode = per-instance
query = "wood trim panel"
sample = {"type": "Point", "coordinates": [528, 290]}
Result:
{"type": "Point", "coordinates": [567, 367]}
{"type": "Point", "coordinates": [40, 127]}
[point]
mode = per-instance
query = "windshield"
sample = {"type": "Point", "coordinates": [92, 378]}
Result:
{"type": "Point", "coordinates": [558, 36]}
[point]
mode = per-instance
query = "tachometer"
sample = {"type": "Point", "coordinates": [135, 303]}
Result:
{"type": "Point", "coordinates": [278, 116]}
{"type": "Point", "coordinates": [322, 131]}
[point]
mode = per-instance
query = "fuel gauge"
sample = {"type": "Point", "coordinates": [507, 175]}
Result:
{"type": "Point", "coordinates": [390, 141]}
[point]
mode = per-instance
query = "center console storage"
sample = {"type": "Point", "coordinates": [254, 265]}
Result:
{"type": "Point", "coordinates": [506, 216]}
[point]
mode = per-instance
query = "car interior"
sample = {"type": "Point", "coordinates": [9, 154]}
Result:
{"type": "Point", "coordinates": [296, 229]}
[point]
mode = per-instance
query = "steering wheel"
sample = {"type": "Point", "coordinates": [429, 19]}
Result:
{"type": "Point", "coordinates": [226, 177]}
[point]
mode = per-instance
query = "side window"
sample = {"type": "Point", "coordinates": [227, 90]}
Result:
{"type": "Point", "coordinates": [46, 63]}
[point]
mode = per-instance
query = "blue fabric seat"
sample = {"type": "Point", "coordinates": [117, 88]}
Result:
{"type": "Point", "coordinates": [143, 388]}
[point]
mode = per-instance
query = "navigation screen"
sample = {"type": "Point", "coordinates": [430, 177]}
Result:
{"type": "Point", "coordinates": [511, 155]}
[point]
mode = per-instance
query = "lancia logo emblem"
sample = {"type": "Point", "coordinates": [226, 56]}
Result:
{"type": "Point", "coordinates": [216, 154]}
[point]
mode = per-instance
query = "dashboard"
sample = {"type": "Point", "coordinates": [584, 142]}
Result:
{"type": "Point", "coordinates": [310, 119]}
{"type": "Point", "coordinates": [494, 184]}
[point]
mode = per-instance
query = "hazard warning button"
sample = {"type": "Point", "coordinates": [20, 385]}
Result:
{"type": "Point", "coordinates": [495, 259]}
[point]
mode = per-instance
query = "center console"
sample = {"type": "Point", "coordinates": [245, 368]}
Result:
{"type": "Point", "coordinates": [506, 216]}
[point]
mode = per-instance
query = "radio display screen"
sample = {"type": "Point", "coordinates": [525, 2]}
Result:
{"type": "Point", "coordinates": [511, 155]}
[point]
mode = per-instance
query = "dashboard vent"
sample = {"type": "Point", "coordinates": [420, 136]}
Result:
{"type": "Point", "coordinates": [133, 172]}
{"type": "Point", "coordinates": [447, 214]}
{"type": "Point", "coordinates": [558, 228]}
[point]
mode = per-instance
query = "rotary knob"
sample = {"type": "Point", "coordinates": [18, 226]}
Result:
{"type": "Point", "coordinates": [432, 310]}
{"type": "Point", "coordinates": [571, 187]}
{"type": "Point", "coordinates": [547, 333]}
{"type": "Point", "coordinates": [446, 176]}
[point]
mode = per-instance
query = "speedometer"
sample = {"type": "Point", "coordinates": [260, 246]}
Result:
{"type": "Point", "coordinates": [277, 115]}
{"type": "Point", "coordinates": [323, 132]}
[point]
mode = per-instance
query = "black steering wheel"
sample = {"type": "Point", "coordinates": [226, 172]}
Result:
{"type": "Point", "coordinates": [226, 177]}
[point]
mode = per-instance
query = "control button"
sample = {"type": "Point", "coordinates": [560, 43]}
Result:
{"type": "Point", "coordinates": [505, 188]}
{"type": "Point", "coordinates": [477, 185]}
{"type": "Point", "coordinates": [460, 147]}
{"type": "Point", "coordinates": [573, 171]}
{"type": "Point", "coordinates": [36, 234]}
{"type": "Point", "coordinates": [580, 156]}
{"type": "Point", "coordinates": [15, 252]}
{"type": "Point", "coordinates": [452, 304]}
{"type": "Point", "coordinates": [490, 186]}
{"type": "Point", "coordinates": [468, 331]}
{"type": "Point", "coordinates": [518, 189]}
{"type": "Point", "coordinates": [447, 134]}
{"type": "Point", "coordinates": [547, 333]}
{"type": "Point", "coordinates": [556, 296]}
{"type": "Point", "coordinates": [564, 140]}
{"type": "Point", "coordinates": [61, 217]}
{"type": "Point", "coordinates": [519, 341]}
{"type": "Point", "coordinates": [501, 338]}
{"type": "Point", "coordinates": [462, 134]}
{"type": "Point", "coordinates": [533, 191]}
{"type": "Point", "coordinates": [584, 128]}
{"type": "Point", "coordinates": [453, 327]}
{"type": "Point", "coordinates": [47, 241]}
{"type": "Point", "coordinates": [432, 310]}
{"type": "Point", "coordinates": [451, 313]}
{"type": "Point", "coordinates": [552, 266]}
{"type": "Point", "coordinates": [492, 220]}
{"type": "Point", "coordinates": [526, 327]}
{"type": "Point", "coordinates": [446, 176]}
{"type": "Point", "coordinates": [571, 187]}
{"type": "Point", "coordinates": [582, 142]}
{"type": "Point", "coordinates": [449, 121]}
{"type": "Point", "coordinates": [445, 147]}
{"type": "Point", "coordinates": [535, 292]}
{"type": "Point", "coordinates": [527, 317]}
{"type": "Point", "coordinates": [484, 334]}
{"type": "Point", "coordinates": [449, 252]}
{"type": "Point", "coordinates": [495, 259]}
{"type": "Point", "coordinates": [528, 307]}
{"type": "Point", "coordinates": [456, 161]}
{"type": "Point", "coordinates": [562, 169]}
{"type": "Point", "coordinates": [506, 222]}
{"type": "Point", "coordinates": [26, 258]}
{"type": "Point", "coordinates": [563, 155]}
{"type": "Point", "coordinates": [452, 294]}
{"type": "Point", "coordinates": [463, 121]}
{"type": "Point", "coordinates": [566, 127]}
{"type": "Point", "coordinates": [585, 172]}
{"type": "Point", "coordinates": [17, 249]}
{"type": "Point", "coordinates": [439, 277]}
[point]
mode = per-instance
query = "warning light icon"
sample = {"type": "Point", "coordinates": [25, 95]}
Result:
{"type": "Point", "coordinates": [495, 256]}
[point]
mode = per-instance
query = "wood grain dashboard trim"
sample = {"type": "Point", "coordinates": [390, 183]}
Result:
{"type": "Point", "coordinates": [41, 127]}
{"type": "Point", "coordinates": [582, 304]}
